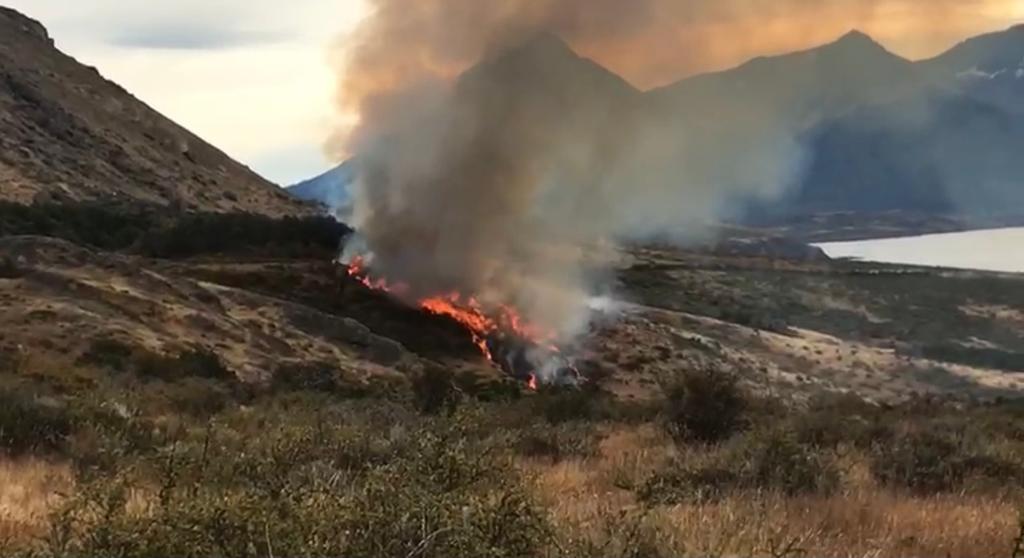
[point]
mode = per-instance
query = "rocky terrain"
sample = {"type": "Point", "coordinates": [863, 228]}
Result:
{"type": "Point", "coordinates": [66, 133]}
{"type": "Point", "coordinates": [804, 326]}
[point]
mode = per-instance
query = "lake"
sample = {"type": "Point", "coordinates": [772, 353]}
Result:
{"type": "Point", "coordinates": [991, 250]}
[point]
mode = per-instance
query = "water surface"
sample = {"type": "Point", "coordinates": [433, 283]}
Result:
{"type": "Point", "coordinates": [990, 250]}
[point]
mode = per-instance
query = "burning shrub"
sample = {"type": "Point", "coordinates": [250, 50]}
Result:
{"type": "Point", "coordinates": [705, 405]}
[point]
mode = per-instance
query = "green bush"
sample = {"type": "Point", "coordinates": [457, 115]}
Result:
{"type": "Point", "coordinates": [705, 406]}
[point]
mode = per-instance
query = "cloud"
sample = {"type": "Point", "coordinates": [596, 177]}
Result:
{"type": "Point", "coordinates": [191, 36]}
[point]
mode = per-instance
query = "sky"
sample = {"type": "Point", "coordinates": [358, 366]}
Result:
{"type": "Point", "coordinates": [250, 76]}
{"type": "Point", "coordinates": [256, 77]}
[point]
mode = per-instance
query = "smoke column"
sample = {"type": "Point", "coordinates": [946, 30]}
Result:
{"type": "Point", "coordinates": [506, 181]}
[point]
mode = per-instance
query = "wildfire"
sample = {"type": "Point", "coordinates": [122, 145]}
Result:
{"type": "Point", "coordinates": [469, 312]}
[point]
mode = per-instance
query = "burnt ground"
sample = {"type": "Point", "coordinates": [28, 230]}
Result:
{"type": "Point", "coordinates": [792, 328]}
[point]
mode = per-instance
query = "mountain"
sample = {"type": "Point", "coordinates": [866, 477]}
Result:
{"type": "Point", "coordinates": [66, 133]}
{"type": "Point", "coordinates": [989, 67]}
{"type": "Point", "coordinates": [802, 86]}
{"type": "Point", "coordinates": [946, 153]}
{"type": "Point", "coordinates": [525, 88]}
{"type": "Point", "coordinates": [331, 189]}
{"type": "Point", "coordinates": [880, 133]}
{"type": "Point", "coordinates": [543, 65]}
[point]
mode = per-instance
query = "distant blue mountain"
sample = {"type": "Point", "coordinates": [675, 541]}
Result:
{"type": "Point", "coordinates": [331, 189]}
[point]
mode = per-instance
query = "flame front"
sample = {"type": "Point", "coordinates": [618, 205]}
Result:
{"type": "Point", "coordinates": [469, 312]}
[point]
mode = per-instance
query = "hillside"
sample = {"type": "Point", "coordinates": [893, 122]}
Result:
{"type": "Point", "coordinates": [330, 189]}
{"type": "Point", "coordinates": [989, 67]}
{"type": "Point", "coordinates": [66, 133]}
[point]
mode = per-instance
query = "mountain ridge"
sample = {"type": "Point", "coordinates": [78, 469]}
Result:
{"type": "Point", "coordinates": [823, 91]}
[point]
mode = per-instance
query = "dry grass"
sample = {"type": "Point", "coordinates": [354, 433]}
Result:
{"type": "Point", "coordinates": [29, 488]}
{"type": "Point", "coordinates": [860, 520]}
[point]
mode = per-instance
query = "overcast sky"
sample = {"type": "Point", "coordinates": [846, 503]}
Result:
{"type": "Point", "coordinates": [250, 76]}
{"type": "Point", "coordinates": [253, 76]}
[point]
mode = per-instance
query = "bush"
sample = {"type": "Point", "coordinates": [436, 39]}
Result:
{"type": "Point", "coordinates": [836, 419]}
{"type": "Point", "coordinates": [109, 353]}
{"type": "Point", "coordinates": [435, 391]}
{"type": "Point", "coordinates": [706, 406]}
{"type": "Point", "coordinates": [193, 363]}
{"type": "Point", "coordinates": [560, 405]}
{"type": "Point", "coordinates": [776, 461]}
{"type": "Point", "coordinates": [165, 233]}
{"type": "Point", "coordinates": [437, 493]}
{"type": "Point", "coordinates": [199, 397]}
{"type": "Point", "coordinates": [31, 424]}
{"type": "Point", "coordinates": [928, 462]}
{"type": "Point", "coordinates": [559, 442]}
{"type": "Point", "coordinates": [9, 268]}
{"type": "Point", "coordinates": [321, 377]}
{"type": "Point", "coordinates": [760, 461]}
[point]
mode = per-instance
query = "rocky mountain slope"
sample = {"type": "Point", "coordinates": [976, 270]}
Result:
{"type": "Point", "coordinates": [66, 133]}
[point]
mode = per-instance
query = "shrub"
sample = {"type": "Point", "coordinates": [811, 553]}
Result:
{"type": "Point", "coordinates": [776, 461]}
{"type": "Point", "coordinates": [193, 363]}
{"type": "Point", "coordinates": [559, 442]}
{"type": "Point", "coordinates": [760, 461]}
{"type": "Point", "coordinates": [198, 397]}
{"type": "Point", "coordinates": [9, 268]}
{"type": "Point", "coordinates": [706, 406]}
{"type": "Point", "coordinates": [440, 494]}
{"type": "Point", "coordinates": [835, 419]}
{"type": "Point", "coordinates": [109, 353]}
{"type": "Point", "coordinates": [321, 377]}
{"type": "Point", "coordinates": [30, 424]}
{"type": "Point", "coordinates": [929, 462]}
{"type": "Point", "coordinates": [559, 405]}
{"type": "Point", "coordinates": [435, 391]}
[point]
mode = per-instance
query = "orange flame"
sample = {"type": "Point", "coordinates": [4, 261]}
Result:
{"type": "Point", "coordinates": [468, 311]}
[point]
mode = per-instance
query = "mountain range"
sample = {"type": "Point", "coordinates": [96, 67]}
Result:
{"type": "Point", "coordinates": [881, 133]}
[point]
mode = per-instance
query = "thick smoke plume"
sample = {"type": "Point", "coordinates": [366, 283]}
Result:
{"type": "Point", "coordinates": [506, 182]}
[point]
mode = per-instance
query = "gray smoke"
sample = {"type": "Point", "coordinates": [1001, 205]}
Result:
{"type": "Point", "coordinates": [511, 181]}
